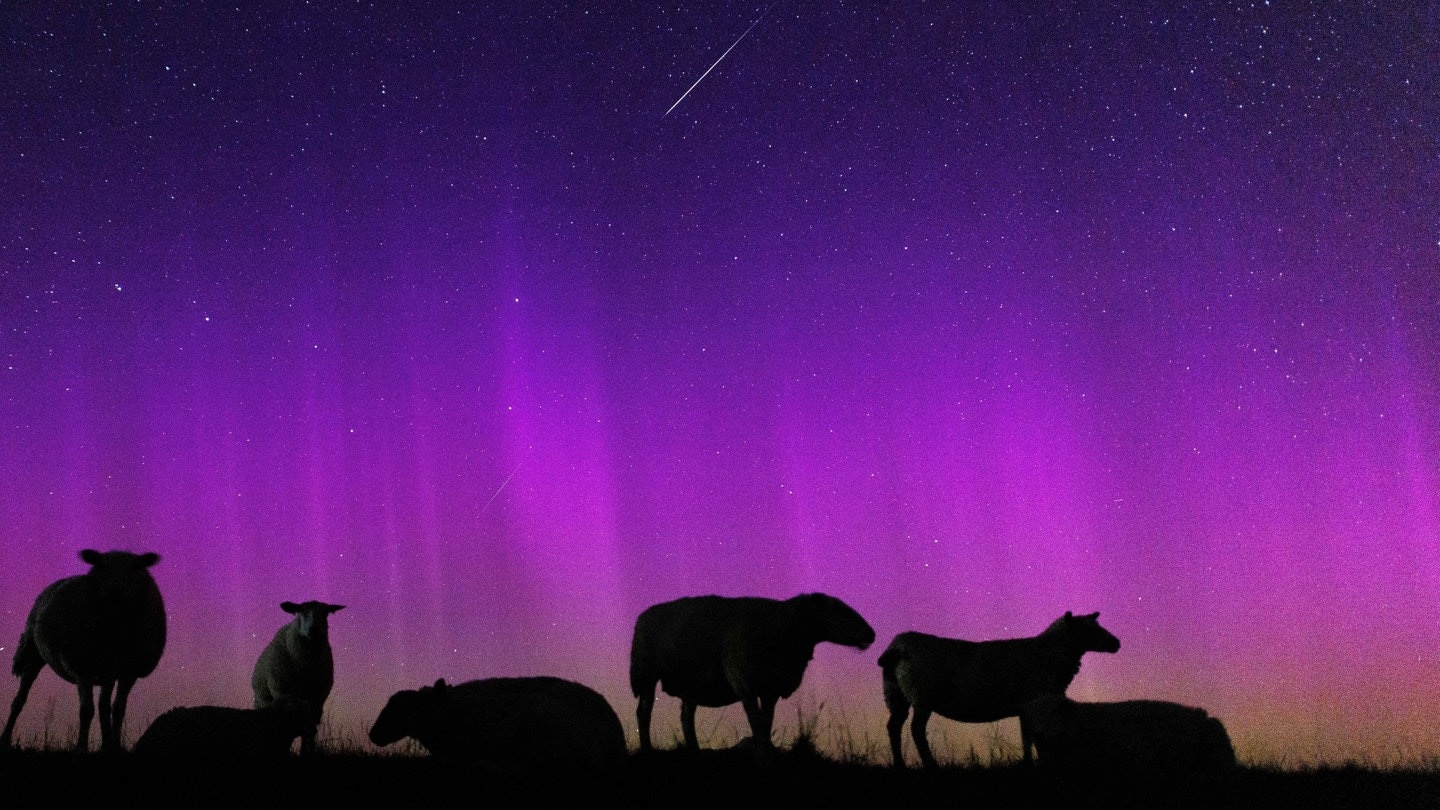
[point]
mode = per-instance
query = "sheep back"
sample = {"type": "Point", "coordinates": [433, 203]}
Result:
{"type": "Point", "coordinates": [514, 723]}
{"type": "Point", "coordinates": [975, 681]}
{"type": "Point", "coordinates": [712, 650]}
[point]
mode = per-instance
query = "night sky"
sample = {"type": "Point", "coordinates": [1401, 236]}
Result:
{"type": "Point", "coordinates": [966, 313]}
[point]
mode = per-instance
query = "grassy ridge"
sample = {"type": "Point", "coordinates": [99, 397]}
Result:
{"type": "Point", "coordinates": [674, 780]}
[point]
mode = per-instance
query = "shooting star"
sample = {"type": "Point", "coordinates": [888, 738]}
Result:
{"type": "Point", "coordinates": [503, 483]}
{"type": "Point", "coordinates": [718, 61]}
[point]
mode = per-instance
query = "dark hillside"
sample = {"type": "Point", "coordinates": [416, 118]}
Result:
{"type": "Point", "coordinates": [671, 780]}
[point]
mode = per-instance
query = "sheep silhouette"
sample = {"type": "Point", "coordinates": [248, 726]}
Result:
{"type": "Point", "coordinates": [982, 681]}
{"type": "Point", "coordinates": [298, 662]}
{"type": "Point", "coordinates": [716, 650]}
{"type": "Point", "coordinates": [226, 734]}
{"type": "Point", "coordinates": [1153, 737]}
{"type": "Point", "coordinates": [513, 724]}
{"type": "Point", "coordinates": [103, 628]}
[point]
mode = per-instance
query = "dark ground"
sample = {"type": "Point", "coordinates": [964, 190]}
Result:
{"type": "Point", "coordinates": [671, 780]}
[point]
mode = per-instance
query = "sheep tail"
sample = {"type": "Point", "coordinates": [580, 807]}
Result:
{"type": "Point", "coordinates": [27, 656]}
{"type": "Point", "coordinates": [891, 658]}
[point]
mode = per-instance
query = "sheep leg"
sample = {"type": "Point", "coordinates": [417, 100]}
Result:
{"type": "Point", "coordinates": [107, 717]}
{"type": "Point", "coordinates": [86, 691]}
{"type": "Point", "coordinates": [1027, 741]}
{"type": "Point", "coordinates": [767, 717]}
{"type": "Point", "coordinates": [122, 699]}
{"type": "Point", "coordinates": [687, 724]}
{"type": "Point", "coordinates": [899, 706]}
{"type": "Point", "coordinates": [642, 717]}
{"type": "Point", "coordinates": [895, 726]}
{"type": "Point", "coordinates": [27, 679]}
{"type": "Point", "coordinates": [752, 716]}
{"type": "Point", "coordinates": [761, 714]}
{"type": "Point", "coordinates": [307, 742]}
{"type": "Point", "coordinates": [767, 711]}
{"type": "Point", "coordinates": [917, 730]}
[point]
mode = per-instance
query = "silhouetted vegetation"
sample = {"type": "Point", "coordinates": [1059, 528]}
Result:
{"type": "Point", "coordinates": [793, 777]}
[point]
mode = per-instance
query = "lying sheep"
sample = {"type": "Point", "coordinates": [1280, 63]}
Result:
{"type": "Point", "coordinates": [510, 723]}
{"type": "Point", "coordinates": [298, 662]}
{"type": "Point", "coordinates": [1149, 736]}
{"type": "Point", "coordinates": [222, 733]}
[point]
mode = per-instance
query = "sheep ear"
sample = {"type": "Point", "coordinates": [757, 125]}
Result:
{"type": "Point", "coordinates": [91, 556]}
{"type": "Point", "coordinates": [289, 607]}
{"type": "Point", "coordinates": [1068, 616]}
{"type": "Point", "coordinates": [334, 608]}
{"type": "Point", "coordinates": [149, 558]}
{"type": "Point", "coordinates": [440, 685]}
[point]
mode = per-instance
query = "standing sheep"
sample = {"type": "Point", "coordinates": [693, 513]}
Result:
{"type": "Point", "coordinates": [716, 650]}
{"type": "Point", "coordinates": [223, 734]}
{"type": "Point", "coordinates": [982, 681]}
{"type": "Point", "coordinates": [1140, 736]}
{"type": "Point", "coordinates": [517, 724]}
{"type": "Point", "coordinates": [298, 662]}
{"type": "Point", "coordinates": [103, 628]}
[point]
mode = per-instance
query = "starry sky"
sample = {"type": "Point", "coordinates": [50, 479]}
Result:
{"type": "Point", "coordinates": [966, 313]}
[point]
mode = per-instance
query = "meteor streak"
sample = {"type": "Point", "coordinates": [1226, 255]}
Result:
{"type": "Point", "coordinates": [717, 61]}
{"type": "Point", "coordinates": [503, 483]}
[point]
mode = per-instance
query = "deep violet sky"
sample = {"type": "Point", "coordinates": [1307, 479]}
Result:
{"type": "Point", "coordinates": [967, 313]}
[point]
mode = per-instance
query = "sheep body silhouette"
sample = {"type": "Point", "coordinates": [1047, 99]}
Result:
{"type": "Point", "coordinates": [223, 733]}
{"type": "Point", "coordinates": [981, 681]}
{"type": "Point", "coordinates": [298, 662]}
{"type": "Point", "coordinates": [103, 628]}
{"type": "Point", "coordinates": [1151, 736]}
{"type": "Point", "coordinates": [716, 650]}
{"type": "Point", "coordinates": [515, 724]}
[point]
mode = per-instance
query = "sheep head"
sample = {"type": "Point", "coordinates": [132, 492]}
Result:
{"type": "Point", "coordinates": [311, 618]}
{"type": "Point", "coordinates": [1084, 634]}
{"type": "Point", "coordinates": [830, 619]}
{"type": "Point", "coordinates": [409, 713]}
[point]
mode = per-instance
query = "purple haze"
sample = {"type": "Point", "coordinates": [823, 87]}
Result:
{"type": "Point", "coordinates": [967, 315]}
